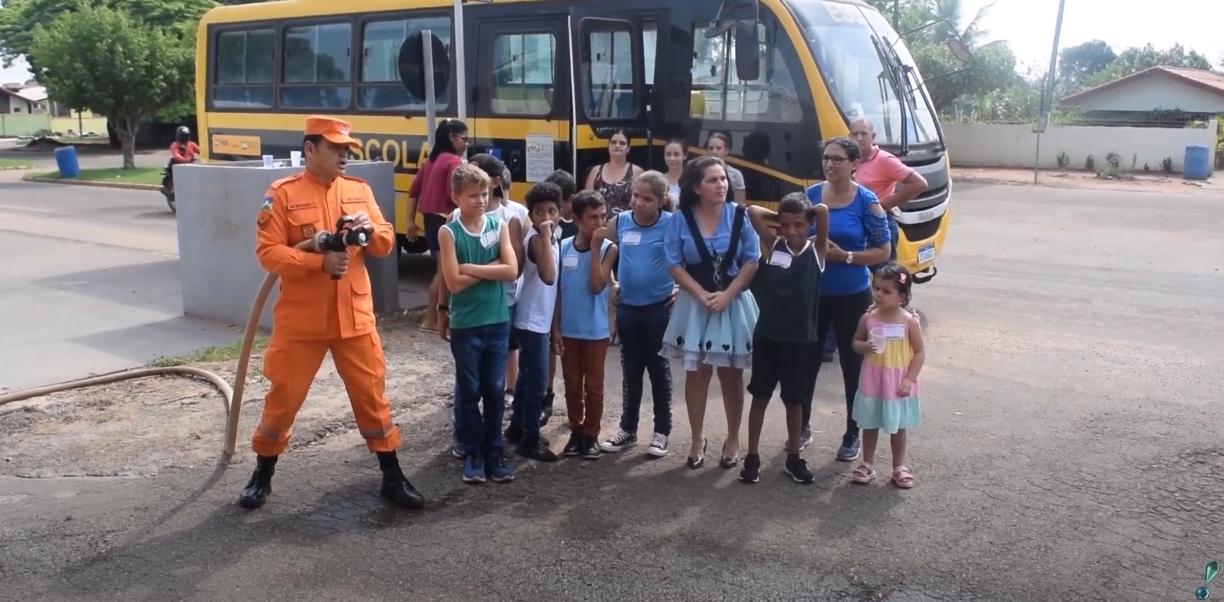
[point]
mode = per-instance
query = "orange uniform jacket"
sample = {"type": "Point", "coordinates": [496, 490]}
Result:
{"type": "Point", "coordinates": [311, 305]}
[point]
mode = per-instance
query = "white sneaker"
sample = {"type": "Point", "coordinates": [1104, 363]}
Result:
{"type": "Point", "coordinates": [617, 443]}
{"type": "Point", "coordinates": [658, 446]}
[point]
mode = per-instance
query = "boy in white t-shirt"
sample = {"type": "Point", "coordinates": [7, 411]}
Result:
{"type": "Point", "coordinates": [532, 321]}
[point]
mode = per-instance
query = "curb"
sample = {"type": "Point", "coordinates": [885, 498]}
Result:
{"type": "Point", "coordinates": [72, 182]}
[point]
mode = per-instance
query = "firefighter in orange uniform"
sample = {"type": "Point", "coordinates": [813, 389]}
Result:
{"type": "Point", "coordinates": [324, 305]}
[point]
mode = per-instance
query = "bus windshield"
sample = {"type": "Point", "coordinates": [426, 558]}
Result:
{"type": "Point", "coordinates": [852, 45]}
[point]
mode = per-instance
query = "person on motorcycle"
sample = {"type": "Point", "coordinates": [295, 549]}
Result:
{"type": "Point", "coordinates": [183, 150]}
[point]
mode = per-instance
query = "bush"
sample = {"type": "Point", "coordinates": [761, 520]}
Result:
{"type": "Point", "coordinates": [1114, 160]}
{"type": "Point", "coordinates": [1064, 160]}
{"type": "Point", "coordinates": [1146, 168]}
{"type": "Point", "coordinates": [1090, 163]}
{"type": "Point", "coordinates": [1166, 165]}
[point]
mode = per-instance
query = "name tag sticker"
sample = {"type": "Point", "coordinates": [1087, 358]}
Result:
{"type": "Point", "coordinates": [632, 238]}
{"type": "Point", "coordinates": [569, 261]}
{"type": "Point", "coordinates": [490, 238]}
{"type": "Point", "coordinates": [780, 259]}
{"type": "Point", "coordinates": [894, 331]}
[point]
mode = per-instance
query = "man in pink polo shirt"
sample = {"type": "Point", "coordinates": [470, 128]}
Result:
{"type": "Point", "coordinates": [884, 174]}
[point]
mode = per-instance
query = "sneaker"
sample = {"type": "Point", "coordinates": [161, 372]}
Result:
{"type": "Point", "coordinates": [797, 468]}
{"type": "Point", "coordinates": [473, 469]}
{"type": "Point", "coordinates": [574, 446]}
{"type": "Point", "coordinates": [590, 449]}
{"type": "Point", "coordinates": [536, 450]}
{"type": "Point", "coordinates": [805, 437]}
{"type": "Point", "coordinates": [658, 446]}
{"type": "Point", "coordinates": [621, 441]}
{"type": "Point", "coordinates": [514, 435]}
{"type": "Point", "coordinates": [752, 469]}
{"type": "Point", "coordinates": [850, 449]}
{"type": "Point", "coordinates": [500, 470]}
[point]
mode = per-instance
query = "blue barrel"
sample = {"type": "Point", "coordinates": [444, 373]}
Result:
{"type": "Point", "coordinates": [1198, 163]}
{"type": "Point", "coordinates": [66, 159]}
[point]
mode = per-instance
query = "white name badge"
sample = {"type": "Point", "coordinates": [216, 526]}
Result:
{"type": "Point", "coordinates": [569, 262]}
{"type": "Point", "coordinates": [490, 238]}
{"type": "Point", "coordinates": [894, 331]}
{"type": "Point", "coordinates": [632, 238]}
{"type": "Point", "coordinates": [780, 259]}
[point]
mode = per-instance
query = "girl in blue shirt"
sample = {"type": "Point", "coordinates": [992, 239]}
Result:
{"type": "Point", "coordinates": [858, 238]}
{"type": "Point", "coordinates": [712, 253]}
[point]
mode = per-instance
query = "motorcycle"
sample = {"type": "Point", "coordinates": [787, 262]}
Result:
{"type": "Point", "coordinates": [167, 185]}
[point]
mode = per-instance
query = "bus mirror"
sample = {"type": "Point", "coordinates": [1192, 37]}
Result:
{"type": "Point", "coordinates": [412, 66]}
{"type": "Point", "coordinates": [747, 52]}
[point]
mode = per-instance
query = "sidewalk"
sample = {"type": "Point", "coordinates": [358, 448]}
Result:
{"type": "Point", "coordinates": [1138, 182]}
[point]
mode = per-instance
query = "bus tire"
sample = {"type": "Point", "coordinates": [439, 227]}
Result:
{"type": "Point", "coordinates": [925, 276]}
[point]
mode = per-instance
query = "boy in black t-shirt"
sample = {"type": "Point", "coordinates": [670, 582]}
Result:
{"type": "Point", "coordinates": [786, 287]}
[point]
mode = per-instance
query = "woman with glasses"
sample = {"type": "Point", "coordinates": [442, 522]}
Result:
{"type": "Point", "coordinates": [858, 238]}
{"type": "Point", "coordinates": [614, 180]}
{"type": "Point", "coordinates": [430, 194]}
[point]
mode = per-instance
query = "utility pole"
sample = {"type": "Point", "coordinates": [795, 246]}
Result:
{"type": "Point", "coordinates": [1047, 95]}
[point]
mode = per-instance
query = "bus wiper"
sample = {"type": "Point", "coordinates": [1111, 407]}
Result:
{"type": "Point", "coordinates": [894, 69]}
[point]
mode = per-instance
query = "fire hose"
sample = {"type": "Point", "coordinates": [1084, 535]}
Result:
{"type": "Point", "coordinates": [231, 396]}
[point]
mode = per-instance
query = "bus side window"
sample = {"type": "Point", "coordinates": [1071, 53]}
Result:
{"type": "Point", "coordinates": [318, 67]}
{"type": "Point", "coordinates": [524, 73]}
{"type": "Point", "coordinates": [380, 87]}
{"type": "Point", "coordinates": [719, 95]}
{"type": "Point", "coordinates": [608, 62]}
{"type": "Point", "coordinates": [245, 69]}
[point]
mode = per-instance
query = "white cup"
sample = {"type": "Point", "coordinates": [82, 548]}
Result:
{"type": "Point", "coordinates": [295, 158]}
{"type": "Point", "coordinates": [878, 339]}
{"type": "Point", "coordinates": [268, 163]}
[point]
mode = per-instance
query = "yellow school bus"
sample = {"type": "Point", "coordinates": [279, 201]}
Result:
{"type": "Point", "coordinates": [543, 83]}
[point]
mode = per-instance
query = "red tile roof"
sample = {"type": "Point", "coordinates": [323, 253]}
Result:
{"type": "Point", "coordinates": [1208, 80]}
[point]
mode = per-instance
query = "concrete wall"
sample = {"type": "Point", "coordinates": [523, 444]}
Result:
{"type": "Point", "coordinates": [218, 204]}
{"type": "Point", "coordinates": [22, 124]}
{"type": "Point", "coordinates": [86, 125]}
{"type": "Point", "coordinates": [1007, 145]}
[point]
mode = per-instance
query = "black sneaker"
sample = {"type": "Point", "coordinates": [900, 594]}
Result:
{"type": "Point", "coordinates": [546, 408]}
{"type": "Point", "coordinates": [574, 446]}
{"type": "Point", "coordinates": [619, 441]}
{"type": "Point", "coordinates": [751, 472]}
{"type": "Point", "coordinates": [797, 468]}
{"type": "Point", "coordinates": [536, 450]}
{"type": "Point", "coordinates": [590, 448]}
{"type": "Point", "coordinates": [514, 435]}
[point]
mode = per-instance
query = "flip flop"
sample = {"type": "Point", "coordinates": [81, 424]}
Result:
{"type": "Point", "coordinates": [864, 474]}
{"type": "Point", "coordinates": [902, 478]}
{"type": "Point", "coordinates": [429, 329]}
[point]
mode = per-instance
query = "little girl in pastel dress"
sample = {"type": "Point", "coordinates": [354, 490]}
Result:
{"type": "Point", "coordinates": [890, 339]}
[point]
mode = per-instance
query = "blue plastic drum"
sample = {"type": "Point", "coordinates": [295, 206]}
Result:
{"type": "Point", "coordinates": [1198, 163]}
{"type": "Point", "coordinates": [66, 159]}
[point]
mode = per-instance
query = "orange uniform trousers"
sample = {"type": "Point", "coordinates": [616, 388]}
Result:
{"type": "Point", "coordinates": [291, 366]}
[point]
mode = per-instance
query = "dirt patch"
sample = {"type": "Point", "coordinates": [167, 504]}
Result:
{"type": "Point", "coordinates": [1138, 182]}
{"type": "Point", "coordinates": [142, 427]}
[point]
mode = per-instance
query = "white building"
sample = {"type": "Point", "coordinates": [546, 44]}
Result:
{"type": "Point", "coordinates": [1194, 91]}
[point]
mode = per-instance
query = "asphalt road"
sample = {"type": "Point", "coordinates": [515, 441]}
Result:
{"type": "Point", "coordinates": [1070, 450]}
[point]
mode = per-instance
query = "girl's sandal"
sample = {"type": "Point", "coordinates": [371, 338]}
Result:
{"type": "Point", "coordinates": [864, 474]}
{"type": "Point", "coordinates": [902, 478]}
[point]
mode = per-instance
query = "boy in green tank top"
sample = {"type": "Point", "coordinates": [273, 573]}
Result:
{"type": "Point", "coordinates": [787, 289]}
{"type": "Point", "coordinates": [476, 259]}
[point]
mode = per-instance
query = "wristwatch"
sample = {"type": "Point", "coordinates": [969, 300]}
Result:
{"type": "Point", "coordinates": [849, 257]}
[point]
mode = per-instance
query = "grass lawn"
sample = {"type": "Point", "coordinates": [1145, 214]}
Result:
{"type": "Point", "coordinates": [14, 164]}
{"type": "Point", "coordinates": [140, 175]}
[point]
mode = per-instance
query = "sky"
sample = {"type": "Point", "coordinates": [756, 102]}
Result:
{"type": "Point", "coordinates": [1028, 25]}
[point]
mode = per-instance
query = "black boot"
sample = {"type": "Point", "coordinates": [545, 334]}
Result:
{"type": "Point", "coordinates": [546, 409]}
{"type": "Point", "coordinates": [260, 485]}
{"type": "Point", "coordinates": [395, 485]}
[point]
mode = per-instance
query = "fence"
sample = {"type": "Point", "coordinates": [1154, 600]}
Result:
{"type": "Point", "coordinates": [15, 125]}
{"type": "Point", "coordinates": [1013, 145]}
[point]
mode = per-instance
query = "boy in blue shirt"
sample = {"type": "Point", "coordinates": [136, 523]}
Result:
{"type": "Point", "coordinates": [580, 323]}
{"type": "Point", "coordinates": [643, 304]}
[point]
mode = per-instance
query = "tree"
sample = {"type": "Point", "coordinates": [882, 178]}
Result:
{"type": "Point", "coordinates": [107, 60]}
{"type": "Point", "coordinates": [1079, 63]}
{"type": "Point", "coordinates": [19, 18]}
{"type": "Point", "coordinates": [1133, 60]}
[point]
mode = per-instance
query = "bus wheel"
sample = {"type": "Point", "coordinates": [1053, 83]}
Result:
{"type": "Point", "coordinates": [925, 276]}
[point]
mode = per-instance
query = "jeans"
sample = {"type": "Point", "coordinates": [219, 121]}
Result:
{"type": "Point", "coordinates": [582, 365]}
{"type": "Point", "coordinates": [641, 329]}
{"type": "Point", "coordinates": [841, 314]}
{"type": "Point", "coordinates": [480, 374]}
{"type": "Point", "coordinates": [532, 382]}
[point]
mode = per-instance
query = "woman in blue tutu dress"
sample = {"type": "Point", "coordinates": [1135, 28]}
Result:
{"type": "Point", "coordinates": [712, 253]}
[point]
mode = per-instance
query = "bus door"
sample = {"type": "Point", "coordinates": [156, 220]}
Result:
{"type": "Point", "coordinates": [611, 90]}
{"type": "Point", "coordinates": [520, 95]}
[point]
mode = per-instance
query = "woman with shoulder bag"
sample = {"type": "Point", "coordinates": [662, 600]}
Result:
{"type": "Point", "coordinates": [712, 253]}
